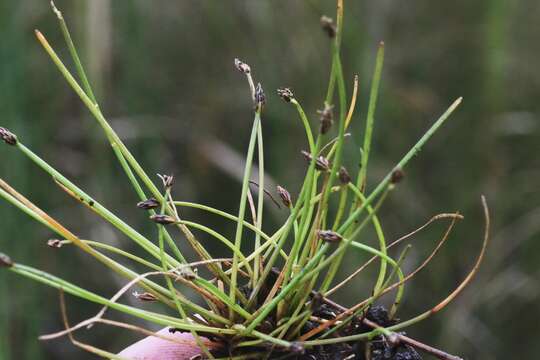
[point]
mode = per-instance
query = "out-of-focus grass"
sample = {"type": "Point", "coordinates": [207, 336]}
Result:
{"type": "Point", "coordinates": [156, 69]}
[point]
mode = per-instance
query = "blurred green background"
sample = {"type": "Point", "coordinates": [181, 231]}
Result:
{"type": "Point", "coordinates": [163, 73]}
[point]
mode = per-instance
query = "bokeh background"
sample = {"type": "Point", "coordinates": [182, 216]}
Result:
{"type": "Point", "coordinates": [163, 73]}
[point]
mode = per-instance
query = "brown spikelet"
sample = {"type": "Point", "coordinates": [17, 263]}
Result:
{"type": "Point", "coordinates": [242, 66]}
{"type": "Point", "coordinates": [329, 236]}
{"type": "Point", "coordinates": [284, 195]}
{"type": "Point", "coordinates": [286, 94]}
{"type": "Point", "coordinates": [147, 204]}
{"type": "Point", "coordinates": [8, 137]}
{"type": "Point", "coordinates": [163, 219]}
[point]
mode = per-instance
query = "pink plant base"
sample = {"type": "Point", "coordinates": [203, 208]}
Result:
{"type": "Point", "coordinates": [154, 348]}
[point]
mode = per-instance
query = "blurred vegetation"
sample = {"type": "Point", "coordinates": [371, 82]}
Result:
{"type": "Point", "coordinates": [165, 78]}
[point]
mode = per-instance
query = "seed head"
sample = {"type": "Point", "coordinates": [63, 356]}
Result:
{"type": "Point", "coordinates": [328, 26]}
{"type": "Point", "coordinates": [54, 243]}
{"type": "Point", "coordinates": [260, 97]}
{"type": "Point", "coordinates": [163, 219]}
{"type": "Point", "coordinates": [145, 296]}
{"type": "Point", "coordinates": [242, 66]}
{"type": "Point", "coordinates": [168, 180]}
{"type": "Point", "coordinates": [327, 118]}
{"type": "Point", "coordinates": [5, 261]}
{"type": "Point", "coordinates": [344, 176]}
{"type": "Point", "coordinates": [321, 163]}
{"type": "Point", "coordinates": [8, 137]}
{"type": "Point", "coordinates": [147, 204]}
{"type": "Point", "coordinates": [284, 195]}
{"type": "Point", "coordinates": [397, 176]}
{"type": "Point", "coordinates": [329, 236]}
{"type": "Point", "coordinates": [286, 94]}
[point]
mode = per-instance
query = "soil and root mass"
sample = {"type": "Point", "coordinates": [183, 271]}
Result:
{"type": "Point", "coordinates": [378, 348]}
{"type": "Point", "coordinates": [272, 295]}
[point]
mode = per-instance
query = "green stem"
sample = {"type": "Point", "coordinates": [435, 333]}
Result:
{"type": "Point", "coordinates": [263, 312]}
{"type": "Point", "coordinates": [401, 164]}
{"type": "Point", "coordinates": [171, 287]}
{"type": "Point", "coordinates": [115, 250]}
{"type": "Point", "coordinates": [96, 206]}
{"type": "Point", "coordinates": [156, 318]}
{"type": "Point", "coordinates": [380, 236]}
{"type": "Point", "coordinates": [370, 117]}
{"type": "Point", "coordinates": [74, 54]}
{"type": "Point", "coordinates": [88, 90]}
{"type": "Point", "coordinates": [307, 127]}
{"type": "Point", "coordinates": [242, 207]}
{"type": "Point", "coordinates": [260, 204]}
{"type": "Point", "coordinates": [221, 238]}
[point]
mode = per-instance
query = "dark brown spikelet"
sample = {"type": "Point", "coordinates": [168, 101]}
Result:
{"type": "Point", "coordinates": [286, 94]}
{"type": "Point", "coordinates": [260, 97]}
{"type": "Point", "coordinates": [344, 176]}
{"type": "Point", "coordinates": [147, 204]}
{"type": "Point", "coordinates": [397, 176]}
{"type": "Point", "coordinates": [242, 66]}
{"type": "Point", "coordinates": [284, 195]}
{"type": "Point", "coordinates": [328, 26]}
{"type": "Point", "coordinates": [329, 236]}
{"type": "Point", "coordinates": [8, 137]}
{"type": "Point", "coordinates": [163, 219]}
{"type": "Point", "coordinates": [326, 118]}
{"type": "Point", "coordinates": [54, 243]}
{"type": "Point", "coordinates": [168, 180]}
{"type": "Point", "coordinates": [5, 261]}
{"type": "Point", "coordinates": [145, 296]}
{"type": "Point", "coordinates": [321, 163]}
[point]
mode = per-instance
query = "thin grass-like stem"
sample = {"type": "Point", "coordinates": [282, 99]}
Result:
{"type": "Point", "coordinates": [360, 182]}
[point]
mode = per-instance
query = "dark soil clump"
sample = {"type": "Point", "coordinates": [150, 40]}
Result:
{"type": "Point", "coordinates": [378, 348]}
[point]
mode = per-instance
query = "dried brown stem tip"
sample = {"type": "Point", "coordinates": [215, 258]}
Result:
{"type": "Point", "coordinates": [148, 204]}
{"type": "Point", "coordinates": [5, 261]}
{"type": "Point", "coordinates": [163, 219]}
{"type": "Point", "coordinates": [286, 94]}
{"type": "Point", "coordinates": [260, 97]}
{"type": "Point", "coordinates": [145, 296]}
{"type": "Point", "coordinates": [329, 236]}
{"type": "Point", "coordinates": [54, 243]}
{"type": "Point", "coordinates": [168, 180]}
{"type": "Point", "coordinates": [8, 137]}
{"type": "Point", "coordinates": [284, 195]}
{"type": "Point", "coordinates": [328, 26]}
{"type": "Point", "coordinates": [242, 66]}
{"type": "Point", "coordinates": [397, 176]}
{"type": "Point", "coordinates": [327, 118]}
{"type": "Point", "coordinates": [321, 163]}
{"type": "Point", "coordinates": [344, 176]}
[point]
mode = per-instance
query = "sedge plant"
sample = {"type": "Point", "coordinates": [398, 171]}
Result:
{"type": "Point", "coordinates": [275, 300]}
